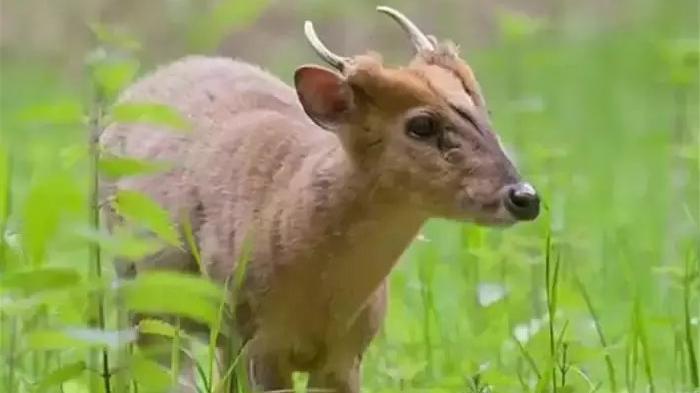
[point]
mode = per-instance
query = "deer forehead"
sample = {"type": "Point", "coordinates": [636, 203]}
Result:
{"type": "Point", "coordinates": [399, 90]}
{"type": "Point", "coordinates": [446, 83]}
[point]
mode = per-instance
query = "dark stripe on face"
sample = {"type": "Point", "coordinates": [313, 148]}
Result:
{"type": "Point", "coordinates": [467, 116]}
{"type": "Point", "coordinates": [484, 129]}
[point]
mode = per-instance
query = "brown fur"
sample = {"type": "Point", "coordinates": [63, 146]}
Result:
{"type": "Point", "coordinates": [330, 213]}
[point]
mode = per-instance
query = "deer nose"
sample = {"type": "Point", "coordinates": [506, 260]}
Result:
{"type": "Point", "coordinates": [522, 201]}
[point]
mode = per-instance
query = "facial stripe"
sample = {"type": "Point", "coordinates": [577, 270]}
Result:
{"type": "Point", "coordinates": [467, 116]}
{"type": "Point", "coordinates": [482, 129]}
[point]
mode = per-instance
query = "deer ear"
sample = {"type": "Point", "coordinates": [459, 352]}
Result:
{"type": "Point", "coordinates": [324, 94]}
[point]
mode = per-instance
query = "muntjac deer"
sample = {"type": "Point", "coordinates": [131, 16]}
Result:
{"type": "Point", "coordinates": [333, 179]}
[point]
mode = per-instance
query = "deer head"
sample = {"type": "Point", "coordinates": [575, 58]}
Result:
{"type": "Point", "coordinates": [422, 130]}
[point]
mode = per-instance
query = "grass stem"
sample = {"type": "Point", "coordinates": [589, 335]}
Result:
{"type": "Point", "coordinates": [601, 335]}
{"type": "Point", "coordinates": [690, 345]}
{"type": "Point", "coordinates": [97, 317]}
{"type": "Point", "coordinates": [551, 284]}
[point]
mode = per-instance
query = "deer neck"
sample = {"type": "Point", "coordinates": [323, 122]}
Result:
{"type": "Point", "coordinates": [360, 228]}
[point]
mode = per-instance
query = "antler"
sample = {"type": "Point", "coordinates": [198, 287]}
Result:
{"type": "Point", "coordinates": [338, 62]}
{"type": "Point", "coordinates": [420, 41]}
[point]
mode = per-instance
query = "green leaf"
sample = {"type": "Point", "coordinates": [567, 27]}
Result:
{"type": "Point", "coordinates": [150, 375]}
{"type": "Point", "coordinates": [174, 293]}
{"type": "Point", "coordinates": [60, 375]}
{"type": "Point", "coordinates": [60, 112]}
{"type": "Point", "coordinates": [158, 327]}
{"type": "Point", "coordinates": [77, 337]}
{"type": "Point", "coordinates": [300, 381]}
{"type": "Point", "coordinates": [190, 284]}
{"type": "Point", "coordinates": [49, 197]}
{"type": "Point", "coordinates": [115, 167]}
{"type": "Point", "coordinates": [26, 306]}
{"type": "Point", "coordinates": [150, 113]}
{"type": "Point", "coordinates": [145, 211]}
{"type": "Point", "coordinates": [121, 243]}
{"type": "Point", "coordinates": [114, 74]}
{"type": "Point", "coordinates": [42, 279]}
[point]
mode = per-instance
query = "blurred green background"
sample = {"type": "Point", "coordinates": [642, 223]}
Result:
{"type": "Point", "coordinates": [598, 100]}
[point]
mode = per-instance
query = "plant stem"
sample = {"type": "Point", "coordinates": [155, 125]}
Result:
{"type": "Point", "coordinates": [692, 358]}
{"type": "Point", "coordinates": [5, 320]}
{"type": "Point", "coordinates": [528, 357]}
{"type": "Point", "coordinates": [564, 368]}
{"type": "Point", "coordinates": [97, 319]}
{"type": "Point", "coordinates": [601, 335]}
{"type": "Point", "coordinates": [632, 355]}
{"type": "Point", "coordinates": [10, 354]}
{"type": "Point", "coordinates": [644, 343]}
{"type": "Point", "coordinates": [550, 285]}
{"type": "Point", "coordinates": [426, 301]}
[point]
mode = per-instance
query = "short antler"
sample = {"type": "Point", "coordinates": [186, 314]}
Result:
{"type": "Point", "coordinates": [420, 41]}
{"type": "Point", "coordinates": [338, 62]}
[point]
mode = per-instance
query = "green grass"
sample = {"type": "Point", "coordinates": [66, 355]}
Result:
{"type": "Point", "coordinates": [601, 294]}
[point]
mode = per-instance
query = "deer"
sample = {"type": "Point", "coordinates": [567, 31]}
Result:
{"type": "Point", "coordinates": [334, 178]}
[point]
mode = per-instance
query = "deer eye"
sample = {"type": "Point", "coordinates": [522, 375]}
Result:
{"type": "Point", "coordinates": [422, 126]}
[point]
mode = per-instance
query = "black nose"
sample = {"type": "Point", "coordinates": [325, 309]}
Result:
{"type": "Point", "coordinates": [522, 201]}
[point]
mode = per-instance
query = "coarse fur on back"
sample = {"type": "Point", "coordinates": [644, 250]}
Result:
{"type": "Point", "coordinates": [331, 181]}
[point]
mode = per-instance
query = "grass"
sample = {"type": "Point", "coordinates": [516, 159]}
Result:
{"type": "Point", "coordinates": [601, 294]}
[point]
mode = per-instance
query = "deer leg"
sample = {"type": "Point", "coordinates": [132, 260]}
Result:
{"type": "Point", "coordinates": [264, 371]}
{"type": "Point", "coordinates": [269, 372]}
{"type": "Point", "coordinates": [337, 381]}
{"type": "Point", "coordinates": [341, 373]}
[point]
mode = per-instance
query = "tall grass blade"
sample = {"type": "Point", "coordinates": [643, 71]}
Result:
{"type": "Point", "coordinates": [601, 335]}
{"type": "Point", "coordinates": [644, 344]}
{"type": "Point", "coordinates": [551, 283]}
{"type": "Point", "coordinates": [97, 318]}
{"type": "Point", "coordinates": [688, 281]}
{"type": "Point", "coordinates": [528, 357]}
